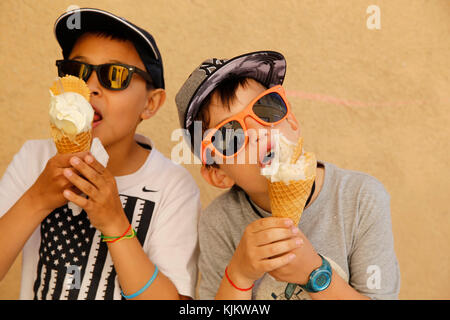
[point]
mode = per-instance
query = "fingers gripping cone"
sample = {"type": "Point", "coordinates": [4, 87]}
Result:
{"type": "Point", "coordinates": [289, 199]}
{"type": "Point", "coordinates": [70, 143]}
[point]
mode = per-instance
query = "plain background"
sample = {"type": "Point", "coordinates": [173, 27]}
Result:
{"type": "Point", "coordinates": [375, 101]}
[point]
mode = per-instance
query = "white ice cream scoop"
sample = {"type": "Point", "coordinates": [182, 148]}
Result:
{"type": "Point", "coordinates": [281, 167]}
{"type": "Point", "coordinates": [71, 113]}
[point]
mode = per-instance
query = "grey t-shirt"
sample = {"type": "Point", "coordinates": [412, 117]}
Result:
{"type": "Point", "coordinates": [349, 223]}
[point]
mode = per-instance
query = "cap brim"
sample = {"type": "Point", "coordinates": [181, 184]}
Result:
{"type": "Point", "coordinates": [67, 32]}
{"type": "Point", "coordinates": [266, 67]}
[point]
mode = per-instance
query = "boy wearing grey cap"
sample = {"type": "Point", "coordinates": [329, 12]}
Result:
{"type": "Point", "coordinates": [343, 246]}
{"type": "Point", "coordinates": [136, 237]}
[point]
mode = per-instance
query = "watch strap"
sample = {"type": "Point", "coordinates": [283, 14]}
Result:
{"type": "Point", "coordinates": [324, 271]}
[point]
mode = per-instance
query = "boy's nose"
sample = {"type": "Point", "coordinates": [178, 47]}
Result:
{"type": "Point", "coordinates": [93, 84]}
{"type": "Point", "coordinates": [259, 135]}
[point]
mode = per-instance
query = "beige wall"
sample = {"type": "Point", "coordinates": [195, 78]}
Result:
{"type": "Point", "coordinates": [370, 100]}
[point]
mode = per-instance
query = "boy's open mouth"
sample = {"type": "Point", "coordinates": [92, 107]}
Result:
{"type": "Point", "coordinates": [266, 156]}
{"type": "Point", "coordinates": [97, 117]}
{"type": "Point", "coordinates": [267, 160]}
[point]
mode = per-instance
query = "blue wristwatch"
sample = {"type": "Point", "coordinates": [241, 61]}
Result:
{"type": "Point", "coordinates": [320, 278]}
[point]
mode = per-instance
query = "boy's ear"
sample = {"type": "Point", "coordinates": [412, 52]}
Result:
{"type": "Point", "coordinates": [216, 177]}
{"type": "Point", "coordinates": [155, 100]}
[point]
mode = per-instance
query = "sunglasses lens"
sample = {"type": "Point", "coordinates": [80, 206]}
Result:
{"type": "Point", "coordinates": [114, 76]}
{"type": "Point", "coordinates": [73, 68]}
{"type": "Point", "coordinates": [270, 108]}
{"type": "Point", "coordinates": [229, 138]}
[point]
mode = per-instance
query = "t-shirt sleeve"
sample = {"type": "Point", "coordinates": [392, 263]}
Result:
{"type": "Point", "coordinates": [374, 270]}
{"type": "Point", "coordinates": [216, 250]}
{"type": "Point", "coordinates": [174, 242]}
{"type": "Point", "coordinates": [16, 180]}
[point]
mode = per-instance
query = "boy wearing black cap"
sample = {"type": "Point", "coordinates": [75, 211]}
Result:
{"type": "Point", "coordinates": [343, 245]}
{"type": "Point", "coordinates": [137, 235]}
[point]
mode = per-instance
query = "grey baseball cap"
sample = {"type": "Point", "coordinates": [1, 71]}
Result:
{"type": "Point", "coordinates": [266, 67]}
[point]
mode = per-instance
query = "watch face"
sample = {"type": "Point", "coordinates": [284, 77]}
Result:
{"type": "Point", "coordinates": [321, 280]}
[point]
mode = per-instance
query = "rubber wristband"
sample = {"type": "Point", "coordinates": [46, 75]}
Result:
{"type": "Point", "coordinates": [134, 295]}
{"type": "Point", "coordinates": [130, 236]}
{"type": "Point", "coordinates": [118, 238]}
{"type": "Point", "coordinates": [235, 286]}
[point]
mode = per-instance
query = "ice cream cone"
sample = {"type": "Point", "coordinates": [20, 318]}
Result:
{"type": "Point", "coordinates": [297, 150]}
{"type": "Point", "coordinates": [289, 199]}
{"type": "Point", "coordinates": [71, 84]}
{"type": "Point", "coordinates": [66, 142]}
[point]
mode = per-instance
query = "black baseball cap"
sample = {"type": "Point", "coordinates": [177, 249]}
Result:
{"type": "Point", "coordinates": [72, 24]}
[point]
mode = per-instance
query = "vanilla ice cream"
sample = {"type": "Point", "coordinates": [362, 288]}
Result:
{"type": "Point", "coordinates": [71, 113]}
{"type": "Point", "coordinates": [290, 177]}
{"type": "Point", "coordinates": [281, 169]}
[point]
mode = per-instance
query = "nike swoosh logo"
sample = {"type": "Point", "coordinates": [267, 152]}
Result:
{"type": "Point", "coordinates": [148, 190]}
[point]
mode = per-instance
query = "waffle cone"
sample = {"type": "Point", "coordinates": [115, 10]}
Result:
{"type": "Point", "coordinates": [297, 150]}
{"type": "Point", "coordinates": [71, 84]}
{"type": "Point", "coordinates": [71, 144]}
{"type": "Point", "coordinates": [64, 142]}
{"type": "Point", "coordinates": [288, 200]}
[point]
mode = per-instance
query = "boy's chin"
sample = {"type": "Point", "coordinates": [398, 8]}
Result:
{"type": "Point", "coordinates": [103, 139]}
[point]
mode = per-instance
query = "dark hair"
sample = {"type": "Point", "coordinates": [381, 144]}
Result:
{"type": "Point", "coordinates": [226, 92]}
{"type": "Point", "coordinates": [120, 36]}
